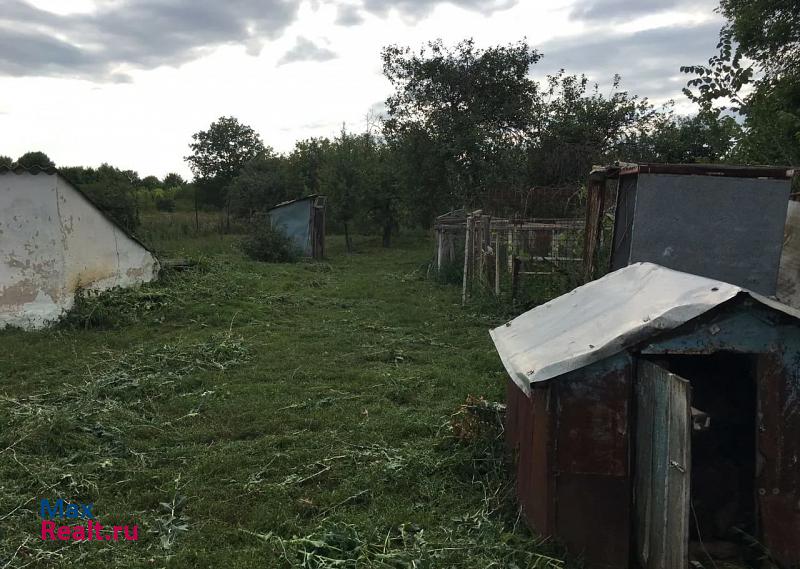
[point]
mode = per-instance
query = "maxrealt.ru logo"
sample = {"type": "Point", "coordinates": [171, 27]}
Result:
{"type": "Point", "coordinates": [87, 530]}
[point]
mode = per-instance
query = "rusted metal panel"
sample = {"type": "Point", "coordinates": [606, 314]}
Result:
{"type": "Point", "coordinates": [592, 436]}
{"type": "Point", "coordinates": [592, 481]}
{"type": "Point", "coordinates": [593, 518]}
{"type": "Point", "coordinates": [528, 435]}
{"type": "Point", "coordinates": [661, 498]}
{"type": "Point", "coordinates": [778, 474]}
{"type": "Point", "coordinates": [540, 499]}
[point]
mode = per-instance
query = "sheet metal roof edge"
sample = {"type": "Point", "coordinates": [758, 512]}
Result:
{"type": "Point", "coordinates": [668, 320]}
{"type": "Point", "coordinates": [36, 170]}
{"type": "Point", "coordinates": [721, 170]}
{"type": "Point", "coordinates": [287, 202]}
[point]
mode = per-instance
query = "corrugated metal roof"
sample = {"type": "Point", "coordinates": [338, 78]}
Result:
{"type": "Point", "coordinates": [19, 169]}
{"type": "Point", "coordinates": [606, 316]}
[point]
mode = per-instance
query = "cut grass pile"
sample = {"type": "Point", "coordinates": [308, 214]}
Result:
{"type": "Point", "coordinates": [253, 415]}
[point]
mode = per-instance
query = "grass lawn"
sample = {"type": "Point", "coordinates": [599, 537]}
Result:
{"type": "Point", "coordinates": [253, 415]}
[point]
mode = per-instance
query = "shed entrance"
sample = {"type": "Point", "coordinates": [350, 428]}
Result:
{"type": "Point", "coordinates": [696, 456]}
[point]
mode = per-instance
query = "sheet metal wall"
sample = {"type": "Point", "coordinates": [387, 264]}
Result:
{"type": "Point", "coordinates": [295, 219]}
{"type": "Point", "coordinates": [725, 228]}
{"type": "Point", "coordinates": [572, 441]}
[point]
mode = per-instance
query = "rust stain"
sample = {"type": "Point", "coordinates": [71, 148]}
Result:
{"type": "Point", "coordinates": [89, 275]}
{"type": "Point", "coordinates": [19, 294]}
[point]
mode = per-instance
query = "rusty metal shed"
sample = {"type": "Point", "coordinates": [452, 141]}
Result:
{"type": "Point", "coordinates": [653, 410]}
{"type": "Point", "coordinates": [720, 221]}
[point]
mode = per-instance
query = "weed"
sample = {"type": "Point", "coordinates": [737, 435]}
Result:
{"type": "Point", "coordinates": [269, 244]}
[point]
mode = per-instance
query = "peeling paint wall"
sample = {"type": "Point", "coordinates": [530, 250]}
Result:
{"type": "Point", "coordinates": [53, 241]}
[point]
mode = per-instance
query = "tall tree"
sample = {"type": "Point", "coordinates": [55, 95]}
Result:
{"type": "Point", "coordinates": [260, 185]}
{"type": "Point", "coordinates": [6, 161]}
{"type": "Point", "coordinates": [218, 156]}
{"type": "Point", "coordinates": [151, 182]}
{"type": "Point", "coordinates": [475, 105]}
{"type": "Point", "coordinates": [35, 158]}
{"type": "Point", "coordinates": [579, 126]}
{"type": "Point", "coordinates": [173, 180]}
{"type": "Point", "coordinates": [348, 175]}
{"type": "Point", "coordinates": [305, 164]}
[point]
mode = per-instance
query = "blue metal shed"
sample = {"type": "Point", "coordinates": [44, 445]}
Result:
{"type": "Point", "coordinates": [303, 220]}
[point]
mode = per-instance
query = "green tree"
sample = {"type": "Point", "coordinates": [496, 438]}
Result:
{"type": "Point", "coordinates": [706, 137]}
{"type": "Point", "coordinates": [578, 126]}
{"type": "Point", "coordinates": [476, 106]}
{"type": "Point", "coordinates": [305, 164]}
{"type": "Point", "coordinates": [173, 180]}
{"type": "Point", "coordinates": [260, 185]}
{"type": "Point", "coordinates": [348, 176]}
{"type": "Point", "coordinates": [6, 161]}
{"type": "Point", "coordinates": [757, 75]}
{"type": "Point", "coordinates": [111, 189]}
{"type": "Point", "coordinates": [151, 182]}
{"type": "Point", "coordinates": [218, 156]}
{"type": "Point", "coordinates": [35, 158]}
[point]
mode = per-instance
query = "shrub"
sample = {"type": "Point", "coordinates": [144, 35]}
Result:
{"type": "Point", "coordinates": [165, 203]}
{"type": "Point", "coordinates": [268, 244]}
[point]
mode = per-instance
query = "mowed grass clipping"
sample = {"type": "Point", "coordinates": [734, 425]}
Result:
{"type": "Point", "coordinates": [254, 415]}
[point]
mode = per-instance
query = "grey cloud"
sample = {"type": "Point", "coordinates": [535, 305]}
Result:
{"type": "Point", "coordinates": [416, 9]}
{"type": "Point", "coordinates": [145, 33]}
{"type": "Point", "coordinates": [648, 61]}
{"type": "Point", "coordinates": [306, 50]}
{"type": "Point", "coordinates": [348, 15]}
{"type": "Point", "coordinates": [617, 10]}
{"type": "Point", "coordinates": [151, 33]}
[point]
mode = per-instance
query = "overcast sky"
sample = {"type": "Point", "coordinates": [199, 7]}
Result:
{"type": "Point", "coordinates": [128, 81]}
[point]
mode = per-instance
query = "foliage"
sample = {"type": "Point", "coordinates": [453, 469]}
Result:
{"type": "Point", "coordinates": [173, 180]}
{"type": "Point", "coordinates": [477, 105]}
{"type": "Point", "coordinates": [35, 158]}
{"type": "Point", "coordinates": [707, 137]}
{"type": "Point", "coordinates": [269, 244]}
{"type": "Point", "coordinates": [218, 156]}
{"type": "Point", "coordinates": [756, 74]}
{"type": "Point", "coordinates": [165, 203]}
{"type": "Point", "coordinates": [6, 161]}
{"type": "Point", "coordinates": [261, 184]}
{"type": "Point", "coordinates": [577, 126]}
{"type": "Point", "coordinates": [111, 189]}
{"type": "Point", "coordinates": [305, 164]}
{"type": "Point", "coordinates": [767, 32]}
{"type": "Point", "coordinates": [349, 175]}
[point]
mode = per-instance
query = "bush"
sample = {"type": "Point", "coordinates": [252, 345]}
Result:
{"type": "Point", "coordinates": [165, 203]}
{"type": "Point", "coordinates": [268, 244]}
